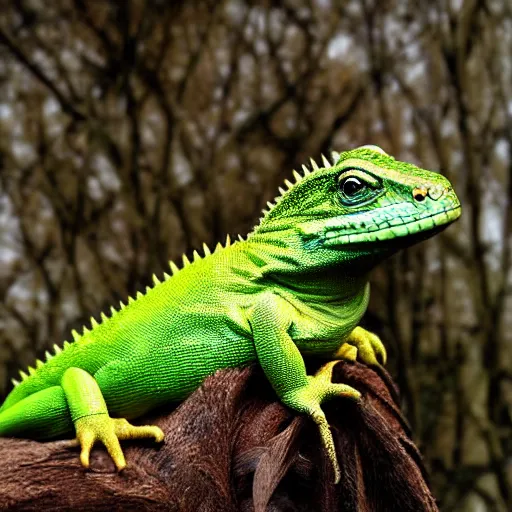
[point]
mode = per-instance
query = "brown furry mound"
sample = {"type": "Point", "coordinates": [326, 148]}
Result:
{"type": "Point", "coordinates": [233, 447]}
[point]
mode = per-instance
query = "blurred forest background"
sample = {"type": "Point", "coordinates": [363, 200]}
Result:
{"type": "Point", "coordinates": [132, 131]}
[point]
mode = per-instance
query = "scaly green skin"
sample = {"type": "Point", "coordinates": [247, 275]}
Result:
{"type": "Point", "coordinates": [297, 285]}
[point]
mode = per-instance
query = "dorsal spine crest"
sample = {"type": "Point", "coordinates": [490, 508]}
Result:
{"type": "Point", "coordinates": [288, 185]}
{"type": "Point", "coordinates": [78, 338]}
{"type": "Point", "coordinates": [298, 178]}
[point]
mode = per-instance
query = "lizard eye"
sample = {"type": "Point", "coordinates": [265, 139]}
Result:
{"type": "Point", "coordinates": [357, 187]}
{"type": "Point", "coordinates": [351, 186]}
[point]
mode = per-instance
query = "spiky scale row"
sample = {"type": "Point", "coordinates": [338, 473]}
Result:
{"type": "Point", "coordinates": [94, 323]}
{"type": "Point", "coordinates": [298, 178]}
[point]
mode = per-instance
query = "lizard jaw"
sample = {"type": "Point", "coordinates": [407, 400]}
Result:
{"type": "Point", "coordinates": [426, 226]}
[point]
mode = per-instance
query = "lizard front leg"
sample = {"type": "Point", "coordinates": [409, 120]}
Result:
{"type": "Point", "coordinates": [364, 345]}
{"type": "Point", "coordinates": [284, 367]}
{"type": "Point", "coordinates": [92, 423]}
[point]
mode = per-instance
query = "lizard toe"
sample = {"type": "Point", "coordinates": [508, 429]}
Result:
{"type": "Point", "coordinates": [86, 440]}
{"type": "Point", "coordinates": [346, 352]}
{"type": "Point", "coordinates": [111, 442]}
{"type": "Point", "coordinates": [125, 430]}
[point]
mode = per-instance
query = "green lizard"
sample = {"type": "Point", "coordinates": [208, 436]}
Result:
{"type": "Point", "coordinates": [297, 285]}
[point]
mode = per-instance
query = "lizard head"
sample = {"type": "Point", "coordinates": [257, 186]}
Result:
{"type": "Point", "coordinates": [364, 203]}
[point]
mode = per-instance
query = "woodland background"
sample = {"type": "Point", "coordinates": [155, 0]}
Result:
{"type": "Point", "coordinates": [132, 131]}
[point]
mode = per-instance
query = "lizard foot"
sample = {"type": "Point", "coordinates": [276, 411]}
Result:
{"type": "Point", "coordinates": [101, 427]}
{"type": "Point", "coordinates": [370, 349]}
{"type": "Point", "coordinates": [308, 399]}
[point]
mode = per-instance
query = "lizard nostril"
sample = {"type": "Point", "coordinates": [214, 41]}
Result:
{"type": "Point", "coordinates": [419, 194]}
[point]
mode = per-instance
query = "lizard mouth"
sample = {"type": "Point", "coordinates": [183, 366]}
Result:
{"type": "Point", "coordinates": [416, 230]}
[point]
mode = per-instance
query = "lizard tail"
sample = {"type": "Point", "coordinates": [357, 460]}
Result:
{"type": "Point", "coordinates": [41, 415]}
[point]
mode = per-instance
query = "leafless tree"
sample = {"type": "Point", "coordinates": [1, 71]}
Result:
{"type": "Point", "coordinates": [131, 132]}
